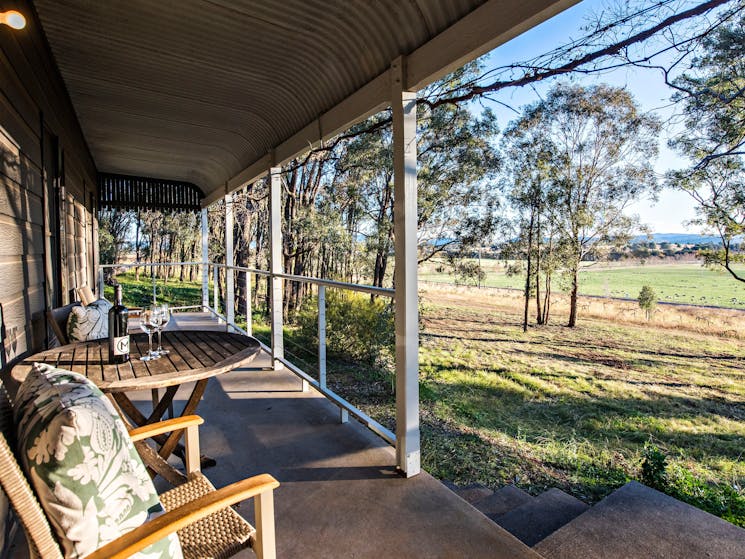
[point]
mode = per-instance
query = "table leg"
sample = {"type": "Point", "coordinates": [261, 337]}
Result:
{"type": "Point", "coordinates": [169, 444]}
{"type": "Point", "coordinates": [191, 406]}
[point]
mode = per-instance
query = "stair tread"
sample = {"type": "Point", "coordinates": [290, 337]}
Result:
{"type": "Point", "coordinates": [636, 521]}
{"type": "Point", "coordinates": [473, 493]}
{"type": "Point", "coordinates": [533, 521]}
{"type": "Point", "coordinates": [502, 501]}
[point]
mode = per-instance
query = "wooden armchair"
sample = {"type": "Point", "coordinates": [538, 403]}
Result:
{"type": "Point", "coordinates": [202, 516]}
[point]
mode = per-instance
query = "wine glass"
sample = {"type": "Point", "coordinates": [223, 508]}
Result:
{"type": "Point", "coordinates": [149, 321]}
{"type": "Point", "coordinates": [165, 317]}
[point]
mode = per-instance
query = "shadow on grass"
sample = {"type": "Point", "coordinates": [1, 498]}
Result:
{"type": "Point", "coordinates": [545, 415]}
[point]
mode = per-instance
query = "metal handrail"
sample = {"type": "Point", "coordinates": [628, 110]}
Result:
{"type": "Point", "coordinates": [319, 385]}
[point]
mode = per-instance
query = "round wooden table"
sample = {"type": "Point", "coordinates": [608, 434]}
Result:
{"type": "Point", "coordinates": [194, 356]}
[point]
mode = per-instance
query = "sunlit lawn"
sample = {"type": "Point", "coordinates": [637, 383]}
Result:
{"type": "Point", "coordinates": [574, 408]}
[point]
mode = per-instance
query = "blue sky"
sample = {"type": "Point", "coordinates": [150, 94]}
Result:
{"type": "Point", "coordinates": [673, 209]}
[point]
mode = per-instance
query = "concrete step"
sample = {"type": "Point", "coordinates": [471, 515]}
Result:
{"type": "Point", "coordinates": [636, 521]}
{"type": "Point", "coordinates": [541, 516]}
{"type": "Point", "coordinates": [473, 493]}
{"type": "Point", "coordinates": [502, 501]}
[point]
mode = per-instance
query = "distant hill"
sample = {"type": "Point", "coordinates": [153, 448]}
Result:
{"type": "Point", "coordinates": [679, 239]}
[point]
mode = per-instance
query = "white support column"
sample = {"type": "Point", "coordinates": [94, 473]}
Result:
{"type": "Point", "coordinates": [205, 259]}
{"type": "Point", "coordinates": [405, 275]}
{"type": "Point", "coordinates": [275, 243]}
{"type": "Point", "coordinates": [229, 261]}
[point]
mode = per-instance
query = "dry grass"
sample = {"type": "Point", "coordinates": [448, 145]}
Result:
{"type": "Point", "coordinates": [729, 323]}
{"type": "Point", "coordinates": [574, 408]}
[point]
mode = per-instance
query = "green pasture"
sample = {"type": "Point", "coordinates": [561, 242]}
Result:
{"type": "Point", "coordinates": [687, 283]}
{"type": "Point", "coordinates": [575, 408]}
{"type": "Point", "coordinates": [139, 293]}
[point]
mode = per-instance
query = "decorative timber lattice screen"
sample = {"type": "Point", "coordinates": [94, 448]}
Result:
{"type": "Point", "coordinates": [123, 192]}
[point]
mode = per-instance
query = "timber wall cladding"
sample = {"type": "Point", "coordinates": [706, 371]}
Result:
{"type": "Point", "coordinates": [33, 98]}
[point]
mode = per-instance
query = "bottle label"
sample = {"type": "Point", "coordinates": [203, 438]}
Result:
{"type": "Point", "coordinates": [121, 345]}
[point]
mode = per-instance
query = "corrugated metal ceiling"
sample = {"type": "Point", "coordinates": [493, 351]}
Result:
{"type": "Point", "coordinates": [197, 90]}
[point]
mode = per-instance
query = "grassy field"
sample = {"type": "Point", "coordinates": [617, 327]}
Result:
{"type": "Point", "coordinates": [687, 283]}
{"type": "Point", "coordinates": [574, 408]}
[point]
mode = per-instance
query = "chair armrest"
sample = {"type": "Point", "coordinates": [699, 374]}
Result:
{"type": "Point", "coordinates": [166, 426]}
{"type": "Point", "coordinates": [172, 521]}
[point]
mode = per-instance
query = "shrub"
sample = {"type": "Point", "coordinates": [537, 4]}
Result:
{"type": "Point", "coordinates": [357, 328]}
{"type": "Point", "coordinates": [647, 300]}
{"type": "Point", "coordinates": [654, 468]}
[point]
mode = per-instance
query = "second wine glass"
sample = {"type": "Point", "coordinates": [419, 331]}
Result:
{"type": "Point", "coordinates": [165, 317]}
{"type": "Point", "coordinates": [149, 321]}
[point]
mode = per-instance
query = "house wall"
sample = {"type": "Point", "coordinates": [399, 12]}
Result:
{"type": "Point", "coordinates": [48, 225]}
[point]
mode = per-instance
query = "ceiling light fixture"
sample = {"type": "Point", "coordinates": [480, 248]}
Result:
{"type": "Point", "coordinates": [13, 19]}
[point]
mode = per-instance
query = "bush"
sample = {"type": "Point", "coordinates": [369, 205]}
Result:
{"type": "Point", "coordinates": [647, 300]}
{"type": "Point", "coordinates": [357, 328]}
{"type": "Point", "coordinates": [654, 468]}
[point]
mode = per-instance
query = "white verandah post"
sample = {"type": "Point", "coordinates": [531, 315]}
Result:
{"type": "Point", "coordinates": [229, 261]}
{"type": "Point", "coordinates": [205, 260]}
{"type": "Point", "coordinates": [275, 257]}
{"type": "Point", "coordinates": [403, 104]}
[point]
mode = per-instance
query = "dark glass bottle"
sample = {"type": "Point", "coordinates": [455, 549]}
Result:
{"type": "Point", "coordinates": [118, 336]}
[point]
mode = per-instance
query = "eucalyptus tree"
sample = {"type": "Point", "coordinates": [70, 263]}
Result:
{"type": "Point", "coordinates": [601, 146]}
{"type": "Point", "coordinates": [114, 227]}
{"type": "Point", "coordinates": [528, 155]}
{"type": "Point", "coordinates": [712, 94]}
{"type": "Point", "coordinates": [456, 163]}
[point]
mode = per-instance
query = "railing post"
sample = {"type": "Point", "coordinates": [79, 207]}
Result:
{"type": "Point", "coordinates": [322, 336]}
{"type": "Point", "coordinates": [275, 241]}
{"type": "Point", "coordinates": [100, 283]}
{"type": "Point", "coordinates": [249, 311]}
{"type": "Point", "coordinates": [403, 104]}
{"type": "Point", "coordinates": [215, 294]}
{"type": "Point", "coordinates": [229, 261]}
{"type": "Point", "coordinates": [155, 286]}
{"type": "Point", "coordinates": [205, 259]}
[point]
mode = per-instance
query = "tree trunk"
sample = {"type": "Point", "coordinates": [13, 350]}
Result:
{"type": "Point", "coordinates": [573, 296]}
{"type": "Point", "coordinates": [528, 273]}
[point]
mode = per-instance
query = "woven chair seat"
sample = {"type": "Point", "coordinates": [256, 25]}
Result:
{"type": "Point", "coordinates": [219, 535]}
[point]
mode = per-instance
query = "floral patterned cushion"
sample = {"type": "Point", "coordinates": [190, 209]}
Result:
{"type": "Point", "coordinates": [90, 322]}
{"type": "Point", "coordinates": [82, 464]}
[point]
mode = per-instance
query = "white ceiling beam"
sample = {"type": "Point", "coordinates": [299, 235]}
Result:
{"type": "Point", "coordinates": [492, 24]}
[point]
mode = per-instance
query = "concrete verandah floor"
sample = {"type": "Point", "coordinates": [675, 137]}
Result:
{"type": "Point", "coordinates": [340, 496]}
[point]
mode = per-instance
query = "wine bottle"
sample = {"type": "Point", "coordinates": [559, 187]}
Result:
{"type": "Point", "coordinates": [118, 335]}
